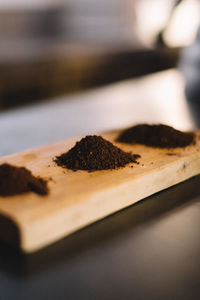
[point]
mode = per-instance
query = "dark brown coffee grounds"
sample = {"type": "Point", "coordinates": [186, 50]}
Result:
{"type": "Point", "coordinates": [161, 136]}
{"type": "Point", "coordinates": [18, 180]}
{"type": "Point", "coordinates": [95, 153]}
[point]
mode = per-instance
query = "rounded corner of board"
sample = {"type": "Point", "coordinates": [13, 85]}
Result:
{"type": "Point", "coordinates": [10, 231]}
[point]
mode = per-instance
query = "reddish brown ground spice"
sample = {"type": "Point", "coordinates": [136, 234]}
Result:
{"type": "Point", "coordinates": [95, 153]}
{"type": "Point", "coordinates": [161, 136]}
{"type": "Point", "coordinates": [18, 180]}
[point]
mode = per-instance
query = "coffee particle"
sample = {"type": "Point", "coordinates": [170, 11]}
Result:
{"type": "Point", "coordinates": [160, 136]}
{"type": "Point", "coordinates": [95, 153]}
{"type": "Point", "coordinates": [19, 180]}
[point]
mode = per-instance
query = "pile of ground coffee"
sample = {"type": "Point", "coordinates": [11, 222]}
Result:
{"type": "Point", "coordinates": [161, 136]}
{"type": "Point", "coordinates": [18, 180]}
{"type": "Point", "coordinates": [95, 153]}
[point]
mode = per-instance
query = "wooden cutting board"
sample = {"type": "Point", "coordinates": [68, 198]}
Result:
{"type": "Point", "coordinates": [79, 198]}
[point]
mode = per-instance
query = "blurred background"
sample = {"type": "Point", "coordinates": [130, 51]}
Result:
{"type": "Point", "coordinates": [50, 48]}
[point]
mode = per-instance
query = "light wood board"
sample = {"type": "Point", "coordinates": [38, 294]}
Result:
{"type": "Point", "coordinates": [79, 198]}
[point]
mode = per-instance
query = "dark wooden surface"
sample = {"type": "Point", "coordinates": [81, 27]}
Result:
{"type": "Point", "coordinates": [71, 68]}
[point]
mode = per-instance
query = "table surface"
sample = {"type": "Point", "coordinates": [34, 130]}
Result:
{"type": "Point", "coordinates": [147, 251]}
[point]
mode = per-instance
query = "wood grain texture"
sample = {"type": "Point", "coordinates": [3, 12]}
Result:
{"type": "Point", "coordinates": [79, 198]}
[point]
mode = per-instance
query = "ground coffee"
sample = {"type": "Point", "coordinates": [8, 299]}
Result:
{"type": "Point", "coordinates": [161, 136]}
{"type": "Point", "coordinates": [95, 153]}
{"type": "Point", "coordinates": [18, 180]}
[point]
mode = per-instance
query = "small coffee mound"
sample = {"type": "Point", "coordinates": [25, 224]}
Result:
{"type": "Point", "coordinates": [161, 136]}
{"type": "Point", "coordinates": [19, 180]}
{"type": "Point", "coordinates": [95, 153]}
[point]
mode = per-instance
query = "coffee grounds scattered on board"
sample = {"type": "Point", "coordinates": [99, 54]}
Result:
{"type": "Point", "coordinates": [160, 136]}
{"type": "Point", "coordinates": [95, 153]}
{"type": "Point", "coordinates": [19, 180]}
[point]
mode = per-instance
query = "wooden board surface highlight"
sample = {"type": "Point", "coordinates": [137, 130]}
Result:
{"type": "Point", "coordinates": [79, 198]}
